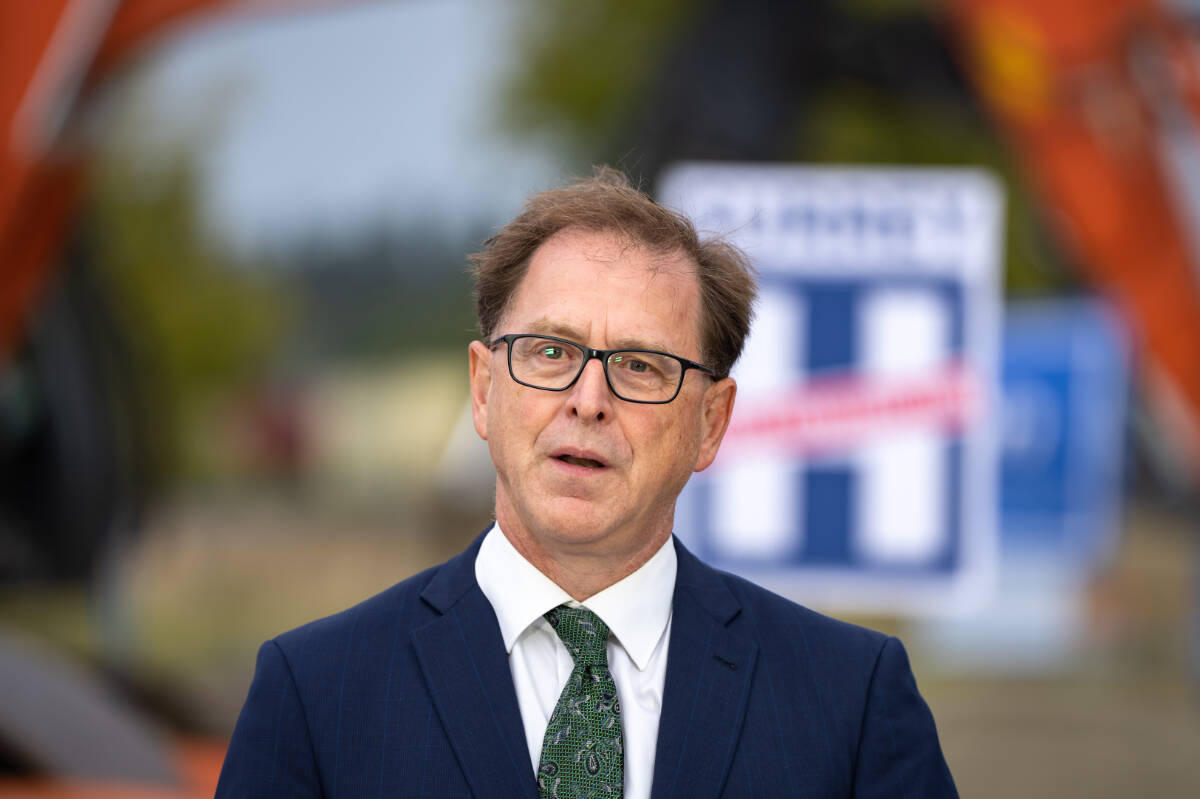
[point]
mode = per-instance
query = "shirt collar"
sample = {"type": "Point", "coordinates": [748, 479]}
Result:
{"type": "Point", "coordinates": [519, 593]}
{"type": "Point", "coordinates": [635, 608]}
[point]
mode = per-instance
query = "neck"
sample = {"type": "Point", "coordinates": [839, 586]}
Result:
{"type": "Point", "coordinates": [579, 568]}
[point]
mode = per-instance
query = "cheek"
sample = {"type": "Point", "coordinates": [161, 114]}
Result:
{"type": "Point", "coordinates": [671, 450]}
{"type": "Point", "coordinates": [519, 417]}
{"type": "Point", "coordinates": [503, 423]}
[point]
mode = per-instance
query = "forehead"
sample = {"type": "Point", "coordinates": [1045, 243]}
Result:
{"type": "Point", "coordinates": [607, 290]}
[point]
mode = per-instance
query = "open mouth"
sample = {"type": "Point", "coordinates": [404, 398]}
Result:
{"type": "Point", "coordinates": [588, 462]}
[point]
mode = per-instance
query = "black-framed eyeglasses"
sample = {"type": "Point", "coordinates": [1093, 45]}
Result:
{"type": "Point", "coordinates": [554, 364]}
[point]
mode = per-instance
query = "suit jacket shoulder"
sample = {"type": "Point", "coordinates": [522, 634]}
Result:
{"type": "Point", "coordinates": [365, 625]}
{"type": "Point", "coordinates": [369, 701]}
{"type": "Point", "coordinates": [823, 707]}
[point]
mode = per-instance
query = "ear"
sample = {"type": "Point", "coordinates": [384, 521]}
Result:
{"type": "Point", "coordinates": [715, 410]}
{"type": "Point", "coordinates": [479, 364]}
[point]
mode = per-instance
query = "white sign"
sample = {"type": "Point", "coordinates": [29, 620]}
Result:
{"type": "Point", "coordinates": [859, 467]}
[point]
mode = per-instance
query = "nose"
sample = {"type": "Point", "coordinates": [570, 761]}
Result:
{"type": "Point", "coordinates": [589, 398]}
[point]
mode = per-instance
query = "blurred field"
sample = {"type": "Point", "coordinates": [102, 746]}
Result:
{"type": "Point", "coordinates": [211, 580]}
{"type": "Point", "coordinates": [1124, 721]}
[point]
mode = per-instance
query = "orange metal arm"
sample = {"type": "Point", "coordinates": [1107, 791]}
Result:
{"type": "Point", "coordinates": [1097, 97]}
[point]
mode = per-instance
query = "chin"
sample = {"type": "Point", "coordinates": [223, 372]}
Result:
{"type": "Point", "coordinates": [573, 521]}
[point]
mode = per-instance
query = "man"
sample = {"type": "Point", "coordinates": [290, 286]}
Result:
{"type": "Point", "coordinates": [576, 649]}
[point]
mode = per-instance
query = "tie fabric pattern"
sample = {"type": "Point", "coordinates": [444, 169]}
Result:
{"type": "Point", "coordinates": [583, 753]}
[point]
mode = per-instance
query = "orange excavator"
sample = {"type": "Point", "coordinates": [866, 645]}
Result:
{"type": "Point", "coordinates": [72, 433]}
{"type": "Point", "coordinates": [62, 459]}
{"type": "Point", "coordinates": [1099, 100]}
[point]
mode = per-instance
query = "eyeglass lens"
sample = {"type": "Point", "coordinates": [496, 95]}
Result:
{"type": "Point", "coordinates": [634, 375]}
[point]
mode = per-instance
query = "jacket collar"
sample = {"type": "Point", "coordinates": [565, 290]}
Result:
{"type": "Point", "coordinates": [705, 585]}
{"type": "Point", "coordinates": [466, 671]}
{"type": "Point", "coordinates": [453, 579]}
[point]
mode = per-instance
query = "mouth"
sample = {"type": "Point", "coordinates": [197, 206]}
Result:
{"type": "Point", "coordinates": [580, 460]}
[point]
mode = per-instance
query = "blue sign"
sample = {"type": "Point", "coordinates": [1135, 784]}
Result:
{"type": "Point", "coordinates": [859, 467]}
{"type": "Point", "coordinates": [1066, 387]}
{"type": "Point", "coordinates": [1064, 412]}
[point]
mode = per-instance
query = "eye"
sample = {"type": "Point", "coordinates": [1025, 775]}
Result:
{"type": "Point", "coordinates": [551, 352]}
{"type": "Point", "coordinates": [632, 364]}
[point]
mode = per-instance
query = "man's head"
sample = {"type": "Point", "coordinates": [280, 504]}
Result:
{"type": "Point", "coordinates": [607, 202]}
{"type": "Point", "coordinates": [582, 471]}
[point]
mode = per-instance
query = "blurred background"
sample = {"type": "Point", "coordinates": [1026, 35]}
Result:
{"type": "Point", "coordinates": [234, 312]}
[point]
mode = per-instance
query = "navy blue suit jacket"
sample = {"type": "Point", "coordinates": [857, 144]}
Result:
{"type": "Point", "coordinates": [409, 695]}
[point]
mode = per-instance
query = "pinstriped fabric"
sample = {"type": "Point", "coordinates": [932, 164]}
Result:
{"type": "Point", "coordinates": [798, 633]}
{"type": "Point", "coordinates": [425, 749]}
{"type": "Point", "coordinates": [691, 715]}
{"type": "Point", "coordinates": [508, 748]}
{"type": "Point", "coordinates": [774, 705]}
{"type": "Point", "coordinates": [384, 753]}
{"type": "Point", "coordinates": [285, 690]}
{"type": "Point", "coordinates": [337, 758]}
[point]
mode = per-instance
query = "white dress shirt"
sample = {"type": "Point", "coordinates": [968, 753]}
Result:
{"type": "Point", "coordinates": [637, 611]}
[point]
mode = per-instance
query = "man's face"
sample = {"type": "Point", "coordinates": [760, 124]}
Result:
{"type": "Point", "coordinates": [580, 470]}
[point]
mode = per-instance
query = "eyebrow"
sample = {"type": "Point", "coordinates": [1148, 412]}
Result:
{"type": "Point", "coordinates": [549, 327]}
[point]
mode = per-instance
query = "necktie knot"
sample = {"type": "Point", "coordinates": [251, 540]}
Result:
{"type": "Point", "coordinates": [583, 633]}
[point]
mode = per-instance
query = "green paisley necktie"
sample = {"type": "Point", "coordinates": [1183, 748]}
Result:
{"type": "Point", "coordinates": [582, 753]}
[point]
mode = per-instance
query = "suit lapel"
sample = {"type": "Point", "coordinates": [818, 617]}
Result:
{"type": "Point", "coordinates": [462, 658]}
{"type": "Point", "coordinates": [709, 669]}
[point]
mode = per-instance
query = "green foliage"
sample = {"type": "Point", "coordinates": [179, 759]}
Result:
{"type": "Point", "coordinates": [857, 124]}
{"type": "Point", "coordinates": [585, 62]}
{"type": "Point", "coordinates": [201, 324]}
